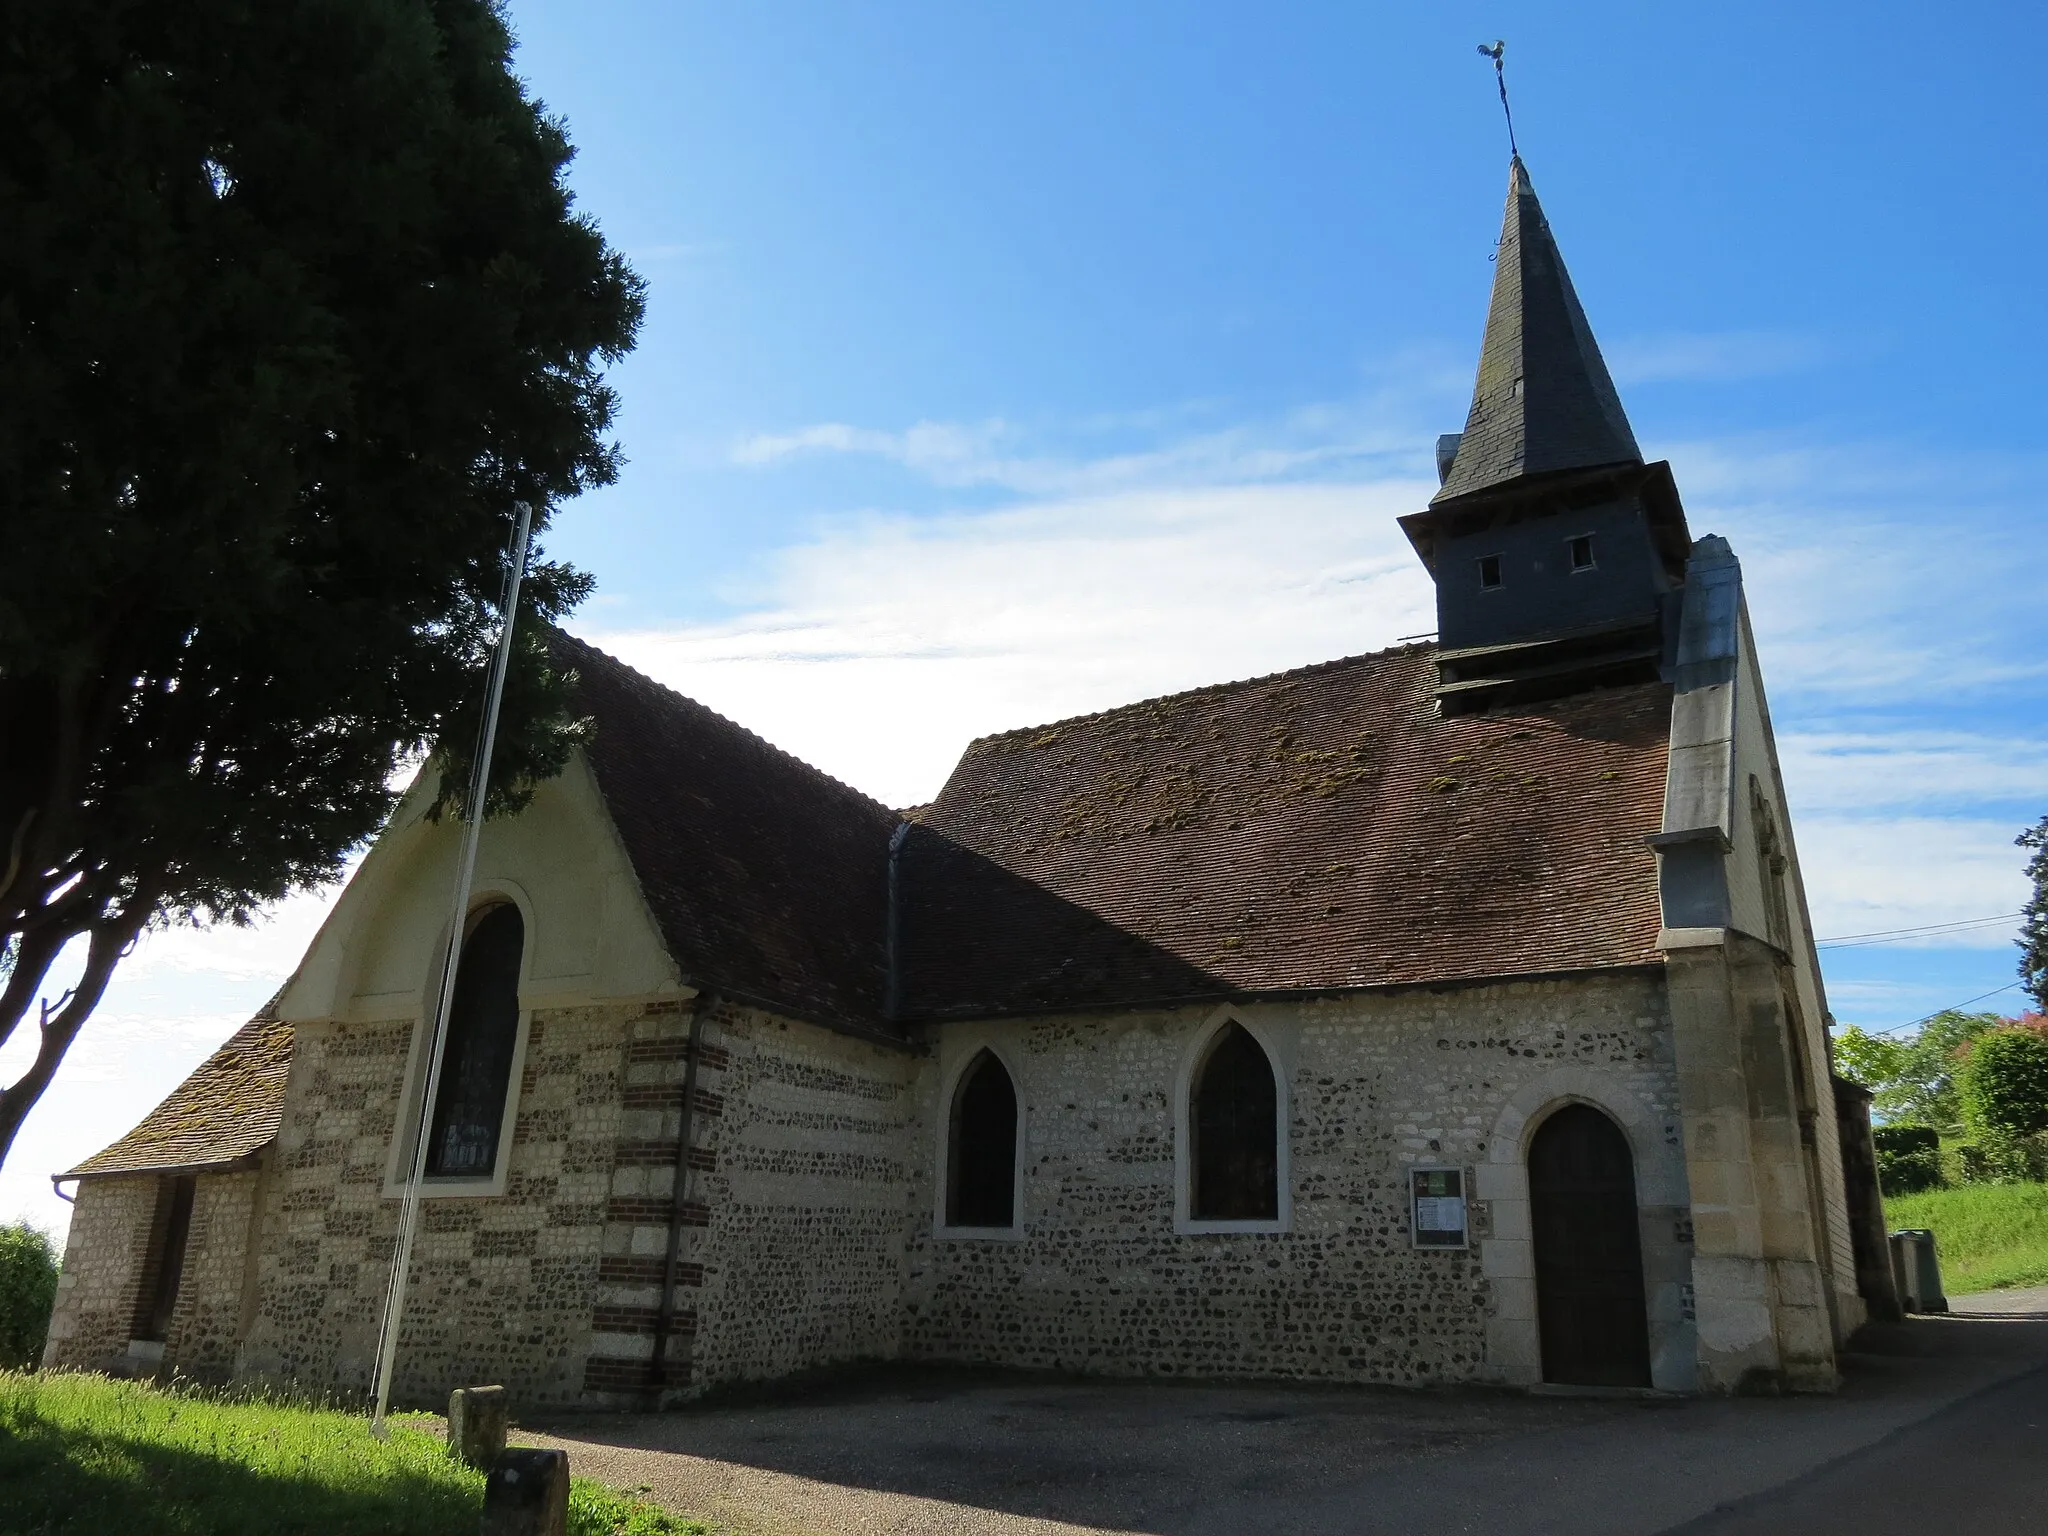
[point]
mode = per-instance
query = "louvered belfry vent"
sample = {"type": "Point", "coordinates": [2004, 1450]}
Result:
{"type": "Point", "coordinates": [1555, 548]}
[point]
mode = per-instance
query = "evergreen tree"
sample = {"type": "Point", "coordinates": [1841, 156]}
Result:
{"type": "Point", "coordinates": [294, 308]}
{"type": "Point", "coordinates": [2034, 916]}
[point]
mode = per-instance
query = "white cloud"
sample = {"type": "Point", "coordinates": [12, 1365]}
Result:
{"type": "Point", "coordinates": [1870, 874]}
{"type": "Point", "coordinates": [1374, 437]}
{"type": "Point", "coordinates": [1907, 769]}
{"type": "Point", "coordinates": [879, 647]}
{"type": "Point", "coordinates": [890, 642]}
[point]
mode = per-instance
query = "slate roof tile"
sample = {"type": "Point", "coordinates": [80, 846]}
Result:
{"type": "Point", "coordinates": [1543, 401]}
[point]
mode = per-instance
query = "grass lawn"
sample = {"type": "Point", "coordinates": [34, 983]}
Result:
{"type": "Point", "coordinates": [1988, 1235]}
{"type": "Point", "coordinates": [86, 1454]}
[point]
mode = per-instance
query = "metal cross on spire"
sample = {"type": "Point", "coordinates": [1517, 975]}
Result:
{"type": "Point", "coordinates": [1497, 51]}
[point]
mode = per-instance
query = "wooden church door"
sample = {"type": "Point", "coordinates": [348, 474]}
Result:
{"type": "Point", "coordinates": [1589, 1261]}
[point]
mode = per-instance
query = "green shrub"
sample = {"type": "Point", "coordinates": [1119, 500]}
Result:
{"type": "Point", "coordinates": [1914, 1079]}
{"type": "Point", "coordinates": [1908, 1158]}
{"type": "Point", "coordinates": [28, 1289]}
{"type": "Point", "coordinates": [2000, 1160]}
{"type": "Point", "coordinates": [2004, 1084]}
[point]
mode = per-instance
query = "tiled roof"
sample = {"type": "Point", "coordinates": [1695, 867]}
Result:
{"type": "Point", "coordinates": [225, 1111]}
{"type": "Point", "coordinates": [1316, 829]}
{"type": "Point", "coordinates": [768, 878]}
{"type": "Point", "coordinates": [1321, 828]}
{"type": "Point", "coordinates": [1543, 400]}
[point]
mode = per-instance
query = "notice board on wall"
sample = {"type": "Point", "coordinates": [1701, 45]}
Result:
{"type": "Point", "coordinates": [1437, 1207]}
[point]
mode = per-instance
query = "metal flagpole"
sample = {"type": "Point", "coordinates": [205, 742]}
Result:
{"type": "Point", "coordinates": [465, 871]}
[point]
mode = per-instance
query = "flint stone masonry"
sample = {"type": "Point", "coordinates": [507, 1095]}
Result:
{"type": "Point", "coordinates": [99, 1285]}
{"type": "Point", "coordinates": [1099, 1280]}
{"type": "Point", "coordinates": [502, 1285]}
{"type": "Point", "coordinates": [805, 1178]}
{"type": "Point", "coordinates": [215, 1293]}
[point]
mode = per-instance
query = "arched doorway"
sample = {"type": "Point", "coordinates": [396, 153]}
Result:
{"type": "Point", "coordinates": [1589, 1258]}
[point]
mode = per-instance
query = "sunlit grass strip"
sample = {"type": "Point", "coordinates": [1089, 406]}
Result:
{"type": "Point", "coordinates": [1989, 1236]}
{"type": "Point", "coordinates": [83, 1453]}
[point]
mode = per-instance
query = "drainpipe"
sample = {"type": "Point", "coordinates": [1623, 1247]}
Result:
{"type": "Point", "coordinates": [665, 1318]}
{"type": "Point", "coordinates": [55, 1180]}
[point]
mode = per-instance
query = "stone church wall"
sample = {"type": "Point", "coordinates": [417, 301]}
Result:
{"type": "Point", "coordinates": [100, 1282]}
{"type": "Point", "coordinates": [811, 1169]}
{"type": "Point", "coordinates": [506, 1280]}
{"type": "Point", "coordinates": [1099, 1279]}
{"type": "Point", "coordinates": [209, 1316]}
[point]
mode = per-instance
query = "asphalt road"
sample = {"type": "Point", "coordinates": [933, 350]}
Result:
{"type": "Point", "coordinates": [1979, 1466]}
{"type": "Point", "coordinates": [1938, 1431]}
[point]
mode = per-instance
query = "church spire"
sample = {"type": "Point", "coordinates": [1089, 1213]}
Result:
{"type": "Point", "coordinates": [1543, 400]}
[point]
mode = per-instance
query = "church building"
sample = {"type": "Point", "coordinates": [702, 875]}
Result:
{"type": "Point", "coordinates": [1444, 1014]}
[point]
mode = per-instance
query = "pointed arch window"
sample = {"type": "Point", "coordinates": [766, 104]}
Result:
{"type": "Point", "coordinates": [981, 1160]}
{"type": "Point", "coordinates": [476, 1060]}
{"type": "Point", "coordinates": [1233, 1125]}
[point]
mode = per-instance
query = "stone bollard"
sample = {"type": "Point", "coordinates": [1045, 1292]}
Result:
{"type": "Point", "coordinates": [527, 1494]}
{"type": "Point", "coordinates": [476, 1425]}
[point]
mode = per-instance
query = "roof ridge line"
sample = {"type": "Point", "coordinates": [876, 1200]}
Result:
{"type": "Point", "coordinates": [1306, 670]}
{"type": "Point", "coordinates": [753, 735]}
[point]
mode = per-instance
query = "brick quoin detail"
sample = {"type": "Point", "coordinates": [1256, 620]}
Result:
{"type": "Point", "coordinates": [662, 1154]}
{"type": "Point", "coordinates": [655, 1213]}
{"type": "Point", "coordinates": [620, 1270]}
{"type": "Point", "coordinates": [670, 1096]}
{"type": "Point", "coordinates": [642, 1052]}
{"type": "Point", "coordinates": [640, 1320]}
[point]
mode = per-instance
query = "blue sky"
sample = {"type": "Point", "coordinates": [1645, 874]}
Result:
{"type": "Point", "coordinates": [1009, 361]}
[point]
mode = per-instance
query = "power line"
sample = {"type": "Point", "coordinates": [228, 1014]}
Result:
{"type": "Point", "coordinates": [1899, 935]}
{"type": "Point", "coordinates": [1951, 1008]}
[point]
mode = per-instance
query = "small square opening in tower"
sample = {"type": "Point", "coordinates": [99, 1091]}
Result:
{"type": "Point", "coordinates": [1489, 571]}
{"type": "Point", "coordinates": [1582, 552]}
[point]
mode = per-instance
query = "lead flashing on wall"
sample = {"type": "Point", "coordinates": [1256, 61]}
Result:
{"type": "Point", "coordinates": [1714, 837]}
{"type": "Point", "coordinates": [1691, 938]}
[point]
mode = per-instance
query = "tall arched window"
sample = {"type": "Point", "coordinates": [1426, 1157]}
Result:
{"type": "Point", "coordinates": [476, 1062]}
{"type": "Point", "coordinates": [981, 1162]}
{"type": "Point", "coordinates": [1234, 1124]}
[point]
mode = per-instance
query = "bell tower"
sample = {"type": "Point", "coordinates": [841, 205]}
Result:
{"type": "Point", "coordinates": [1555, 549]}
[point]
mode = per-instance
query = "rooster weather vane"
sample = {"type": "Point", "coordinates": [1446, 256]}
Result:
{"type": "Point", "coordinates": [1497, 51]}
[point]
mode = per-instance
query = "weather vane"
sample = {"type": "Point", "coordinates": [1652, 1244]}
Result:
{"type": "Point", "coordinates": [1497, 51]}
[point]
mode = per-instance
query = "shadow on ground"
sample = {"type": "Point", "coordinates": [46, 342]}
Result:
{"type": "Point", "coordinates": [57, 1479]}
{"type": "Point", "coordinates": [908, 1451]}
{"type": "Point", "coordinates": [1084, 1454]}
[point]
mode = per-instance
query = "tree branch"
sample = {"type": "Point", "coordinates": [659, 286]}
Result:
{"type": "Point", "coordinates": [60, 1027]}
{"type": "Point", "coordinates": [32, 963]}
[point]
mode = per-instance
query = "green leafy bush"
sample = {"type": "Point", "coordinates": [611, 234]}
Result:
{"type": "Point", "coordinates": [2004, 1084]}
{"type": "Point", "coordinates": [1908, 1158]}
{"type": "Point", "coordinates": [1914, 1080]}
{"type": "Point", "coordinates": [28, 1289]}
